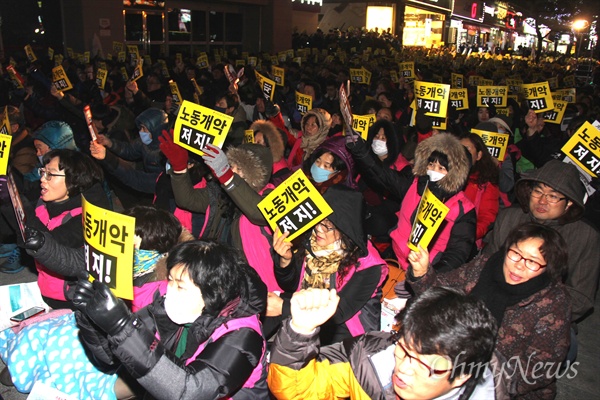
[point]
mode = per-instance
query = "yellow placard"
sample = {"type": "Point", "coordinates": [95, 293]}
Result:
{"type": "Point", "coordinates": [138, 71]}
{"type": "Point", "coordinates": [5, 141]}
{"type": "Point", "coordinates": [569, 81]}
{"type": "Point", "coordinates": [248, 136]}
{"type": "Point", "coordinates": [266, 85]}
{"type": "Point", "coordinates": [474, 80]}
{"type": "Point", "coordinates": [5, 127]}
{"type": "Point", "coordinates": [245, 55]}
{"type": "Point", "coordinates": [584, 148]}
{"type": "Point", "coordinates": [177, 99]}
{"type": "Point", "coordinates": [134, 53]}
{"type": "Point", "coordinates": [117, 47]}
{"type": "Point", "coordinates": [218, 59]}
{"type": "Point", "coordinates": [367, 75]}
{"type": "Point", "coordinates": [496, 143]}
{"type": "Point", "coordinates": [50, 53]}
{"type": "Point", "coordinates": [278, 75]}
{"type": "Point", "coordinates": [163, 69]}
{"type": "Point", "coordinates": [274, 60]}
{"type": "Point", "coordinates": [429, 218]}
{"type": "Point", "coordinates": [197, 89]}
{"type": "Point", "coordinates": [457, 81]}
{"type": "Point", "coordinates": [538, 96]}
{"type": "Point", "coordinates": [86, 57]}
{"type": "Point", "coordinates": [124, 74]}
{"type": "Point", "coordinates": [485, 82]}
{"type": "Point", "coordinates": [303, 102]}
{"type": "Point", "coordinates": [356, 75]}
{"type": "Point", "coordinates": [556, 116]}
{"type": "Point", "coordinates": [407, 69]}
{"type": "Point", "coordinates": [394, 76]}
{"type": "Point", "coordinates": [70, 52]}
{"type": "Point", "coordinates": [492, 95]}
{"type": "Point", "coordinates": [30, 54]}
{"type": "Point", "coordinates": [60, 80]}
{"type": "Point", "coordinates": [503, 111]}
{"type": "Point", "coordinates": [362, 123]}
{"type": "Point", "coordinates": [553, 83]}
{"type": "Point", "coordinates": [459, 99]}
{"type": "Point", "coordinates": [196, 126]}
{"type": "Point", "coordinates": [253, 61]}
{"type": "Point", "coordinates": [108, 238]}
{"type": "Point", "coordinates": [202, 60]}
{"type": "Point", "coordinates": [282, 56]}
{"type": "Point", "coordinates": [58, 59]}
{"type": "Point", "coordinates": [240, 63]}
{"type": "Point", "coordinates": [290, 53]}
{"type": "Point", "coordinates": [294, 206]}
{"type": "Point", "coordinates": [101, 75]}
{"type": "Point", "coordinates": [121, 56]}
{"type": "Point", "coordinates": [514, 86]}
{"type": "Point", "coordinates": [439, 123]}
{"type": "Point", "coordinates": [432, 97]}
{"type": "Point", "coordinates": [569, 95]}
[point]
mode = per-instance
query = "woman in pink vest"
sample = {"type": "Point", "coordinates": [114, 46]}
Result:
{"type": "Point", "coordinates": [334, 254]}
{"type": "Point", "coordinates": [65, 177]}
{"type": "Point", "coordinates": [202, 340]}
{"type": "Point", "coordinates": [442, 164]}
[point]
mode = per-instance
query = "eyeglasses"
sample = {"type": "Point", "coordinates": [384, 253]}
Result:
{"type": "Point", "coordinates": [431, 371]}
{"type": "Point", "coordinates": [323, 228]}
{"type": "Point", "coordinates": [550, 197]}
{"type": "Point", "coordinates": [530, 264]}
{"type": "Point", "coordinates": [47, 175]}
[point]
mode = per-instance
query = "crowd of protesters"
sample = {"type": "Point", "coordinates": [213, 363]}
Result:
{"type": "Point", "coordinates": [216, 288]}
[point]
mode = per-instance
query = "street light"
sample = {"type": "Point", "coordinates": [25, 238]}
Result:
{"type": "Point", "coordinates": [579, 25]}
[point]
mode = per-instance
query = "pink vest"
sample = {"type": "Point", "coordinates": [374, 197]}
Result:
{"type": "Point", "coordinates": [400, 163]}
{"type": "Point", "coordinates": [52, 284]}
{"type": "Point", "coordinates": [234, 325]}
{"type": "Point", "coordinates": [370, 260]}
{"type": "Point", "coordinates": [401, 234]}
{"type": "Point", "coordinates": [143, 295]}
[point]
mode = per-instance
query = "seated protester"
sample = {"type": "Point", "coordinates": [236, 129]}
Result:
{"type": "Point", "coordinates": [334, 254]}
{"type": "Point", "coordinates": [314, 127]}
{"type": "Point", "coordinates": [267, 134]}
{"type": "Point", "coordinates": [553, 196]}
{"type": "Point", "coordinates": [442, 351]}
{"type": "Point", "coordinates": [193, 343]}
{"type": "Point", "coordinates": [145, 148]}
{"type": "Point", "coordinates": [53, 135]}
{"type": "Point", "coordinates": [229, 202]}
{"type": "Point", "coordinates": [22, 152]}
{"type": "Point", "coordinates": [114, 122]}
{"type": "Point", "coordinates": [330, 164]}
{"type": "Point", "coordinates": [229, 103]}
{"type": "Point", "coordinates": [65, 177]}
{"type": "Point", "coordinates": [482, 186]}
{"type": "Point", "coordinates": [522, 286]}
{"type": "Point", "coordinates": [138, 100]}
{"type": "Point", "coordinates": [442, 165]}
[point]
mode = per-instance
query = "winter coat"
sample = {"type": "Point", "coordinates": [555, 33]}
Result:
{"type": "Point", "coordinates": [302, 147]}
{"type": "Point", "coordinates": [583, 270]}
{"type": "Point", "coordinates": [536, 331]}
{"type": "Point", "coordinates": [301, 369]}
{"type": "Point", "coordinates": [485, 197]}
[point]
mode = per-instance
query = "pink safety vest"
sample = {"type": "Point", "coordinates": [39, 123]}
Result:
{"type": "Point", "coordinates": [401, 234]}
{"type": "Point", "coordinates": [251, 322]}
{"type": "Point", "coordinates": [144, 295]}
{"type": "Point", "coordinates": [52, 285]}
{"type": "Point", "coordinates": [370, 260]}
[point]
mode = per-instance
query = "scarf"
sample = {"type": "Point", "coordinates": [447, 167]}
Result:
{"type": "Point", "coordinates": [321, 263]}
{"type": "Point", "coordinates": [310, 143]}
{"type": "Point", "coordinates": [144, 261]}
{"type": "Point", "coordinates": [497, 294]}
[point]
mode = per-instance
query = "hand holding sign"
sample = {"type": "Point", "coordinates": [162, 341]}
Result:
{"type": "Point", "coordinates": [216, 160]}
{"type": "Point", "coordinates": [282, 247]}
{"type": "Point", "coordinates": [177, 155]}
{"type": "Point", "coordinates": [419, 261]}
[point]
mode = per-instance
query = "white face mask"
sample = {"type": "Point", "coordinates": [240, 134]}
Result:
{"type": "Point", "coordinates": [176, 306]}
{"type": "Point", "coordinates": [434, 176]}
{"type": "Point", "coordinates": [379, 147]}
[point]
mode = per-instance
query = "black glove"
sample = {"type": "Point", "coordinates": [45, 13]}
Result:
{"type": "Point", "coordinates": [96, 342]}
{"type": "Point", "coordinates": [34, 239]}
{"type": "Point", "coordinates": [271, 109]}
{"type": "Point", "coordinates": [101, 306]}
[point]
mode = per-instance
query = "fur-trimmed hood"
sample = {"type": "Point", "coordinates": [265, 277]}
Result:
{"type": "Point", "coordinates": [255, 161]}
{"type": "Point", "coordinates": [273, 139]}
{"type": "Point", "coordinates": [458, 163]}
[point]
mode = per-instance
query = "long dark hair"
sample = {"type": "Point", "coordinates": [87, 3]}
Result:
{"type": "Point", "coordinates": [485, 166]}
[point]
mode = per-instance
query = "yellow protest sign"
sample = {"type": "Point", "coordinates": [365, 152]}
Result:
{"type": "Point", "coordinates": [553, 83]}
{"type": "Point", "coordinates": [134, 53]}
{"type": "Point", "coordinates": [584, 148]}
{"type": "Point", "coordinates": [432, 97]}
{"type": "Point", "coordinates": [101, 75]}
{"type": "Point", "coordinates": [177, 99]}
{"type": "Point", "coordinates": [485, 82]}
{"type": "Point", "coordinates": [356, 75]}
{"type": "Point", "coordinates": [138, 71]}
{"type": "Point", "coordinates": [266, 85]}
{"type": "Point", "coordinates": [196, 126]}
{"type": "Point", "coordinates": [60, 80]}
{"type": "Point", "coordinates": [282, 56]}
{"type": "Point", "coordinates": [569, 95]}
{"type": "Point", "coordinates": [457, 81]}
{"type": "Point", "coordinates": [163, 69]}
{"type": "Point", "coordinates": [474, 80]}
{"type": "Point", "coordinates": [252, 61]}
{"type": "Point", "coordinates": [197, 89]}
{"type": "Point", "coordinates": [117, 47]}
{"type": "Point", "coordinates": [290, 53]}
{"type": "Point", "coordinates": [439, 123]}
{"type": "Point", "coordinates": [108, 248]}
{"type": "Point", "coordinates": [459, 99]}
{"type": "Point", "coordinates": [496, 143]}
{"type": "Point", "coordinates": [86, 57]}
{"type": "Point", "coordinates": [70, 52]}
{"type": "Point", "coordinates": [245, 55]}
{"type": "Point", "coordinates": [218, 59]}
{"type": "Point", "coordinates": [492, 95]}
{"type": "Point", "coordinates": [5, 141]}
{"type": "Point", "coordinates": [503, 111]}
{"type": "Point", "coordinates": [274, 60]}
{"type": "Point", "coordinates": [58, 59]}
{"type": "Point", "coordinates": [121, 56]}
{"type": "Point", "coordinates": [569, 81]}
{"type": "Point", "coordinates": [50, 53]}
{"type": "Point", "coordinates": [202, 60]}
{"type": "Point", "coordinates": [303, 102]}
{"type": "Point", "coordinates": [278, 75]}
{"type": "Point", "coordinates": [294, 206]}
{"type": "Point", "coordinates": [538, 96]}
{"type": "Point", "coordinates": [240, 63]}
{"type": "Point", "coordinates": [5, 127]}
{"type": "Point", "coordinates": [30, 54]}
{"type": "Point", "coordinates": [430, 215]}
{"type": "Point", "coordinates": [394, 76]}
{"type": "Point", "coordinates": [514, 86]}
{"type": "Point", "coordinates": [556, 116]}
{"type": "Point", "coordinates": [407, 69]}
{"type": "Point", "coordinates": [124, 74]}
{"type": "Point", "coordinates": [367, 75]}
{"type": "Point", "coordinates": [248, 136]}
{"type": "Point", "coordinates": [362, 123]}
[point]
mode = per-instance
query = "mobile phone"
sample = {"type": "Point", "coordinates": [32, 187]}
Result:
{"type": "Point", "coordinates": [27, 314]}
